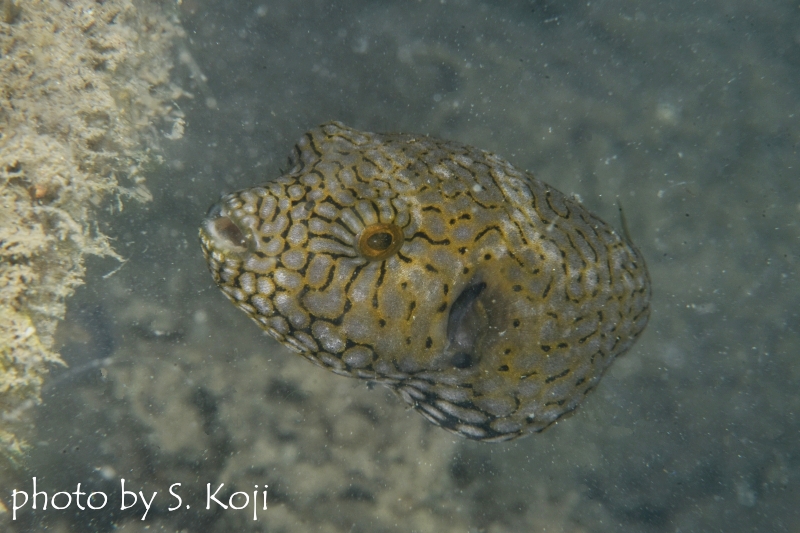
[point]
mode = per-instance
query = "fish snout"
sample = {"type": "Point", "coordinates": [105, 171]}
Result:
{"type": "Point", "coordinates": [221, 232]}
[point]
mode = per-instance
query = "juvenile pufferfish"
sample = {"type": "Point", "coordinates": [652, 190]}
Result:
{"type": "Point", "coordinates": [489, 301]}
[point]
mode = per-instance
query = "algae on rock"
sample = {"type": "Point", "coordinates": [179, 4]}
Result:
{"type": "Point", "coordinates": [84, 91]}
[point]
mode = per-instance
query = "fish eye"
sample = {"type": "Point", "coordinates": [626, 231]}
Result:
{"type": "Point", "coordinates": [380, 241]}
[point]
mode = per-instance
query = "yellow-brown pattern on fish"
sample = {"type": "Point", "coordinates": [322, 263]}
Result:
{"type": "Point", "coordinates": [489, 301]}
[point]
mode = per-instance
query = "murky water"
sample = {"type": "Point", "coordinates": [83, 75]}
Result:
{"type": "Point", "coordinates": [685, 113]}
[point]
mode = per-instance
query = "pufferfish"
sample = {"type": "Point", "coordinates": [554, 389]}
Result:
{"type": "Point", "coordinates": [488, 301]}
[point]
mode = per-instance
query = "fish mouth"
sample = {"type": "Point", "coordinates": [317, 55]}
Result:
{"type": "Point", "coordinates": [220, 232]}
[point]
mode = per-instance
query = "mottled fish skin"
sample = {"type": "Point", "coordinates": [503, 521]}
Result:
{"type": "Point", "coordinates": [489, 301]}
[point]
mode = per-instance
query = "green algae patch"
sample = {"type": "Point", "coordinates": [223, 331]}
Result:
{"type": "Point", "coordinates": [84, 92]}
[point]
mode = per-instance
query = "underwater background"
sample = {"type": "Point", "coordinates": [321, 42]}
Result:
{"type": "Point", "coordinates": [687, 114]}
